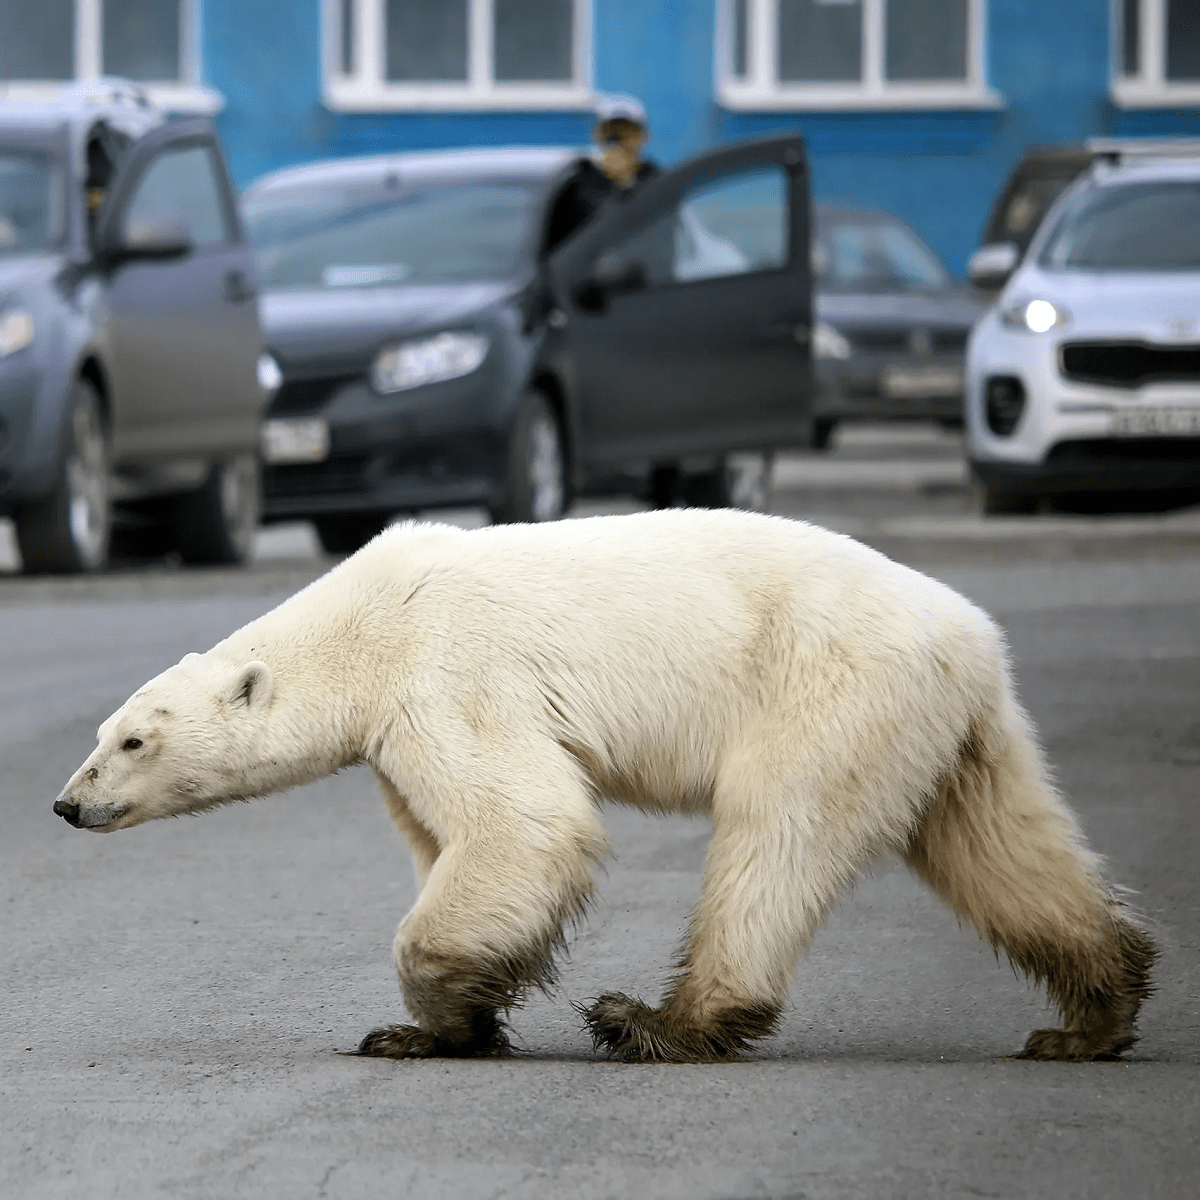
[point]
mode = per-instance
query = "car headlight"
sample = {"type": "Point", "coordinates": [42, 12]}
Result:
{"type": "Point", "coordinates": [270, 377]}
{"type": "Point", "coordinates": [427, 360]}
{"type": "Point", "coordinates": [16, 330]}
{"type": "Point", "coordinates": [1036, 316]}
{"type": "Point", "coordinates": [828, 343]}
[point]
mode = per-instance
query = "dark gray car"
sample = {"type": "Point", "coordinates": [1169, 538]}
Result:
{"type": "Point", "coordinates": [433, 354]}
{"type": "Point", "coordinates": [130, 397]}
{"type": "Point", "coordinates": [892, 325]}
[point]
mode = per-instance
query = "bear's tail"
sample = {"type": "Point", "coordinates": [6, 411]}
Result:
{"type": "Point", "coordinates": [1001, 847]}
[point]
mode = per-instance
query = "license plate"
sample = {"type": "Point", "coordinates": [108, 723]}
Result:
{"type": "Point", "coordinates": [919, 383]}
{"type": "Point", "coordinates": [1157, 422]}
{"type": "Point", "coordinates": [301, 440]}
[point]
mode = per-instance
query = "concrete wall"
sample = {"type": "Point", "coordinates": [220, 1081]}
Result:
{"type": "Point", "coordinates": [1049, 59]}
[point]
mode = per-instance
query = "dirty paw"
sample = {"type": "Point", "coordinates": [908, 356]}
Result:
{"type": "Point", "coordinates": [398, 1041]}
{"type": "Point", "coordinates": [1069, 1045]}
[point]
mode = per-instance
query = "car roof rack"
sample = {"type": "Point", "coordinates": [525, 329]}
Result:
{"type": "Point", "coordinates": [1117, 150]}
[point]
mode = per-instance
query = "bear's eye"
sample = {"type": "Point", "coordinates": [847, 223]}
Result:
{"type": "Point", "coordinates": [131, 744]}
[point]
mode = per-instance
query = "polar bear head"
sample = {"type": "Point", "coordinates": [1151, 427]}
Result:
{"type": "Point", "coordinates": [190, 739]}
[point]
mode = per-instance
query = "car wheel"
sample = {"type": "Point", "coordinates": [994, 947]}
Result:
{"type": "Point", "coordinates": [822, 433]}
{"type": "Point", "coordinates": [217, 524]}
{"type": "Point", "coordinates": [344, 533]}
{"type": "Point", "coordinates": [1007, 504]}
{"type": "Point", "coordinates": [740, 481]}
{"type": "Point", "coordinates": [535, 485]}
{"type": "Point", "coordinates": [68, 532]}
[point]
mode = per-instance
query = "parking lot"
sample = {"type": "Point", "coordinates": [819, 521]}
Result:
{"type": "Point", "coordinates": [177, 996]}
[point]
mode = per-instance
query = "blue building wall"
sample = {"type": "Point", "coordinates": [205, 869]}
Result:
{"type": "Point", "coordinates": [939, 170]}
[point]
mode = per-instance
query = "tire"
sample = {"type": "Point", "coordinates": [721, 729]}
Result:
{"type": "Point", "coordinates": [142, 534]}
{"type": "Point", "coordinates": [534, 487]}
{"type": "Point", "coordinates": [1007, 504]}
{"type": "Point", "coordinates": [216, 525]}
{"type": "Point", "coordinates": [344, 533]}
{"type": "Point", "coordinates": [68, 533]}
{"type": "Point", "coordinates": [822, 433]}
{"type": "Point", "coordinates": [740, 481]}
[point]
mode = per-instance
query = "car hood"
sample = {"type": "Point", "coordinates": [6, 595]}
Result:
{"type": "Point", "coordinates": [25, 271]}
{"type": "Point", "coordinates": [346, 326]}
{"type": "Point", "coordinates": [952, 307]}
{"type": "Point", "coordinates": [1124, 305]}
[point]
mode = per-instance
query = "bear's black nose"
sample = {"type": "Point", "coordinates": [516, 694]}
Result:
{"type": "Point", "coordinates": [68, 810]}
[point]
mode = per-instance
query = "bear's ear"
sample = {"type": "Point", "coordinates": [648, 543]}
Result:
{"type": "Point", "coordinates": [252, 686]}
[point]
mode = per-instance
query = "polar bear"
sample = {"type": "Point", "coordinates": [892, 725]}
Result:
{"type": "Point", "coordinates": [822, 703]}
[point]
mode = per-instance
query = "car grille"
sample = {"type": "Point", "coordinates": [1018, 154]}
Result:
{"type": "Point", "coordinates": [1129, 364]}
{"type": "Point", "coordinates": [306, 395]}
{"type": "Point", "coordinates": [1166, 449]}
{"type": "Point", "coordinates": [334, 475]}
{"type": "Point", "coordinates": [900, 341]}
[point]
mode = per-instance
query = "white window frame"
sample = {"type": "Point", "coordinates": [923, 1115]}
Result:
{"type": "Point", "coordinates": [183, 95]}
{"type": "Point", "coordinates": [761, 89]}
{"type": "Point", "coordinates": [367, 88]}
{"type": "Point", "coordinates": [1150, 87]}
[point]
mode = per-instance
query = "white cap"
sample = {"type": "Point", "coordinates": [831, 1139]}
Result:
{"type": "Point", "coordinates": [620, 107]}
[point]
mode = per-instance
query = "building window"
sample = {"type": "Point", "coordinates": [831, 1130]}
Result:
{"type": "Point", "coordinates": [457, 54]}
{"type": "Point", "coordinates": [831, 54]}
{"type": "Point", "coordinates": [1156, 53]}
{"type": "Point", "coordinates": [153, 42]}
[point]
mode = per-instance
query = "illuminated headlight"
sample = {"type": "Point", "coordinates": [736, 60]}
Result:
{"type": "Point", "coordinates": [16, 331]}
{"type": "Point", "coordinates": [270, 377]}
{"type": "Point", "coordinates": [1037, 316]}
{"type": "Point", "coordinates": [828, 343]}
{"type": "Point", "coordinates": [427, 360]}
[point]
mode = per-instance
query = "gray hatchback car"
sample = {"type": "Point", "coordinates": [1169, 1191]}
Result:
{"type": "Point", "coordinates": [130, 397]}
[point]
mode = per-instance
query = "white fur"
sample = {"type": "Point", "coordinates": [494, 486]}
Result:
{"type": "Point", "coordinates": [807, 691]}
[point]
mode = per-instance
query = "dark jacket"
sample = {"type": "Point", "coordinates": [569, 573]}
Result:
{"type": "Point", "coordinates": [584, 194]}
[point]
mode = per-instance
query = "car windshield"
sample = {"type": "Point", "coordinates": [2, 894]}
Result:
{"type": "Point", "coordinates": [386, 232]}
{"type": "Point", "coordinates": [873, 254]}
{"type": "Point", "coordinates": [1130, 227]}
{"type": "Point", "coordinates": [31, 201]}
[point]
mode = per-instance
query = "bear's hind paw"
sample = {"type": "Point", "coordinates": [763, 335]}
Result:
{"type": "Point", "coordinates": [1069, 1045]}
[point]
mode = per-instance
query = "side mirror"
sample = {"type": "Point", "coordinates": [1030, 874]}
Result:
{"type": "Point", "coordinates": [153, 240]}
{"type": "Point", "coordinates": [990, 266]}
{"type": "Point", "coordinates": [614, 271]}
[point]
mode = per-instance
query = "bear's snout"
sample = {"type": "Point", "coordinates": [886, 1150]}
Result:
{"type": "Point", "coordinates": [68, 810]}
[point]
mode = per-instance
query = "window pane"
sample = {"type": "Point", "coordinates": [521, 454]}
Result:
{"type": "Point", "coordinates": [426, 40]}
{"type": "Point", "coordinates": [31, 202]}
{"type": "Point", "coordinates": [37, 40]}
{"type": "Point", "coordinates": [820, 40]}
{"type": "Point", "coordinates": [734, 226]}
{"type": "Point", "coordinates": [141, 38]}
{"type": "Point", "coordinates": [1130, 36]}
{"type": "Point", "coordinates": [181, 185]}
{"type": "Point", "coordinates": [347, 37]}
{"type": "Point", "coordinates": [741, 38]}
{"type": "Point", "coordinates": [1183, 39]}
{"type": "Point", "coordinates": [873, 253]}
{"type": "Point", "coordinates": [533, 39]}
{"type": "Point", "coordinates": [926, 39]}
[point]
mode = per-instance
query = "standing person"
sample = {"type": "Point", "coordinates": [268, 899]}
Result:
{"type": "Point", "coordinates": [621, 132]}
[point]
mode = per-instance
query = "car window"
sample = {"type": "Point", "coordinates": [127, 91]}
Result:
{"type": "Point", "coordinates": [1130, 227]}
{"type": "Point", "coordinates": [734, 225]}
{"type": "Point", "coordinates": [384, 232]}
{"type": "Point", "coordinates": [181, 185]}
{"type": "Point", "coordinates": [1026, 205]}
{"type": "Point", "coordinates": [31, 202]}
{"type": "Point", "coordinates": [868, 252]}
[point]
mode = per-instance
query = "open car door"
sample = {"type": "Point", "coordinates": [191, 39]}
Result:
{"type": "Point", "coordinates": [685, 311]}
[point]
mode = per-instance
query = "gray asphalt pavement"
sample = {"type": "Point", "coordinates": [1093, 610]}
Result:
{"type": "Point", "coordinates": [176, 995]}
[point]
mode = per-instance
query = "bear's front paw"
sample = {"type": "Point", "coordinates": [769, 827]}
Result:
{"type": "Point", "coordinates": [1068, 1045]}
{"type": "Point", "coordinates": [398, 1041]}
{"type": "Point", "coordinates": [627, 1029]}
